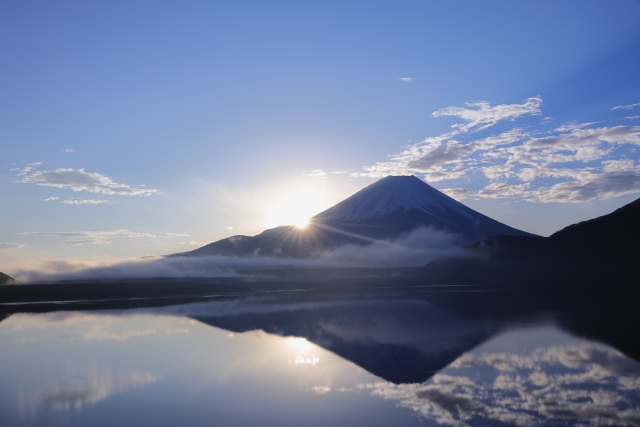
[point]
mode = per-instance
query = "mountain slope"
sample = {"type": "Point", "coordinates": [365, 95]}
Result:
{"type": "Point", "coordinates": [384, 210]}
{"type": "Point", "coordinates": [391, 194]}
{"type": "Point", "coordinates": [399, 204]}
{"type": "Point", "coordinates": [7, 280]}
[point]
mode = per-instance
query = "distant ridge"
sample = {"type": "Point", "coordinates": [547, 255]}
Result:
{"type": "Point", "coordinates": [383, 210]}
{"type": "Point", "coordinates": [7, 280]}
{"type": "Point", "coordinates": [603, 251]}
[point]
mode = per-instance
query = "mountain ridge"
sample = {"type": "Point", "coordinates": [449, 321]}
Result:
{"type": "Point", "coordinates": [7, 280]}
{"type": "Point", "coordinates": [384, 210]}
{"type": "Point", "coordinates": [597, 252]}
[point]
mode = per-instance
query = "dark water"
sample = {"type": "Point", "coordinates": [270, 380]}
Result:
{"type": "Point", "coordinates": [296, 361]}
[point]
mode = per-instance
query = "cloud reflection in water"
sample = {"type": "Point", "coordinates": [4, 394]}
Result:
{"type": "Point", "coordinates": [79, 387]}
{"type": "Point", "coordinates": [584, 383]}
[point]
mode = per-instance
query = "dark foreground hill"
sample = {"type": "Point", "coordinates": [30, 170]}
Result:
{"type": "Point", "coordinates": [604, 250]}
{"type": "Point", "coordinates": [384, 210]}
{"type": "Point", "coordinates": [7, 280]}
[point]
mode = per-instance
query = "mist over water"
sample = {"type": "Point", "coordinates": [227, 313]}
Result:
{"type": "Point", "coordinates": [412, 249]}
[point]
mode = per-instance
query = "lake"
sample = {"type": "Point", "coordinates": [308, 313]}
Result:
{"type": "Point", "coordinates": [378, 359]}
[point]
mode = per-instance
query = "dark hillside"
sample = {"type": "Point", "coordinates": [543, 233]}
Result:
{"type": "Point", "coordinates": [604, 250]}
{"type": "Point", "coordinates": [7, 280]}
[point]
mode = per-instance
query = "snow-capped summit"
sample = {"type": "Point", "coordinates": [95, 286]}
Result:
{"type": "Point", "coordinates": [386, 209]}
{"type": "Point", "coordinates": [392, 194]}
{"type": "Point", "coordinates": [400, 204]}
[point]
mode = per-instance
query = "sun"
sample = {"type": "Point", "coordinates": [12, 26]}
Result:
{"type": "Point", "coordinates": [295, 209]}
{"type": "Point", "coordinates": [301, 223]}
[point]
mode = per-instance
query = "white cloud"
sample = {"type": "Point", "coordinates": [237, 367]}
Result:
{"type": "Point", "coordinates": [68, 150]}
{"type": "Point", "coordinates": [453, 151]}
{"type": "Point", "coordinates": [458, 193]}
{"type": "Point", "coordinates": [82, 242]}
{"type": "Point", "coordinates": [516, 161]}
{"type": "Point", "coordinates": [170, 235]}
{"type": "Point", "coordinates": [229, 228]}
{"type": "Point", "coordinates": [496, 190]}
{"type": "Point", "coordinates": [429, 154]}
{"type": "Point", "coordinates": [27, 169]}
{"type": "Point", "coordinates": [406, 79]}
{"type": "Point", "coordinates": [626, 107]}
{"type": "Point", "coordinates": [11, 245]}
{"type": "Point", "coordinates": [79, 180]}
{"type": "Point", "coordinates": [618, 165]}
{"type": "Point", "coordinates": [195, 243]}
{"type": "Point", "coordinates": [77, 238]}
{"type": "Point", "coordinates": [579, 138]}
{"type": "Point", "coordinates": [481, 115]}
{"type": "Point", "coordinates": [573, 126]}
{"type": "Point", "coordinates": [591, 186]}
{"type": "Point", "coordinates": [316, 173]}
{"type": "Point", "coordinates": [85, 201]}
{"type": "Point", "coordinates": [50, 199]}
{"type": "Point", "coordinates": [90, 234]}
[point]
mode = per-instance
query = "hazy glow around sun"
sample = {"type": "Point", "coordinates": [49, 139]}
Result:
{"type": "Point", "coordinates": [296, 209]}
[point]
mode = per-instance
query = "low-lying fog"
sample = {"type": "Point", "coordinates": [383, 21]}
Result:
{"type": "Point", "coordinates": [409, 250]}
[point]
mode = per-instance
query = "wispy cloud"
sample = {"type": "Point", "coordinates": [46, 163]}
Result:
{"type": "Point", "coordinates": [85, 201]}
{"type": "Point", "coordinates": [588, 186]}
{"type": "Point", "coordinates": [93, 234]}
{"type": "Point", "coordinates": [406, 79]}
{"type": "Point", "coordinates": [626, 107]}
{"type": "Point", "coordinates": [170, 235]}
{"type": "Point", "coordinates": [50, 199]}
{"type": "Point", "coordinates": [481, 115]}
{"type": "Point", "coordinates": [82, 242]}
{"type": "Point", "coordinates": [11, 245]}
{"type": "Point", "coordinates": [68, 150]}
{"type": "Point", "coordinates": [79, 180]}
{"type": "Point", "coordinates": [573, 126]}
{"type": "Point", "coordinates": [195, 243]}
{"type": "Point", "coordinates": [78, 238]}
{"type": "Point", "coordinates": [429, 154]}
{"type": "Point", "coordinates": [316, 173]}
{"type": "Point", "coordinates": [26, 169]}
{"type": "Point", "coordinates": [453, 151]}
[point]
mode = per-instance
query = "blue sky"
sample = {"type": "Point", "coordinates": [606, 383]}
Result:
{"type": "Point", "coordinates": [139, 128]}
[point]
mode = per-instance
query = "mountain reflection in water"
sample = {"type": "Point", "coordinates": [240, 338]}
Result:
{"type": "Point", "coordinates": [303, 361]}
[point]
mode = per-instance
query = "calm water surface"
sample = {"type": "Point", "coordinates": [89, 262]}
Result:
{"type": "Point", "coordinates": [262, 362]}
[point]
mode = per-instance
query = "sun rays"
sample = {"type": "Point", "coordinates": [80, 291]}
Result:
{"type": "Point", "coordinates": [296, 209]}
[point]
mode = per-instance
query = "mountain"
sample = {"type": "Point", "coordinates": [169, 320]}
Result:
{"type": "Point", "coordinates": [7, 280]}
{"type": "Point", "coordinates": [384, 210]}
{"type": "Point", "coordinates": [401, 341]}
{"type": "Point", "coordinates": [601, 251]}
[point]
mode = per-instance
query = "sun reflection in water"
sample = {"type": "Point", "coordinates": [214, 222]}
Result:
{"type": "Point", "coordinates": [302, 346]}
